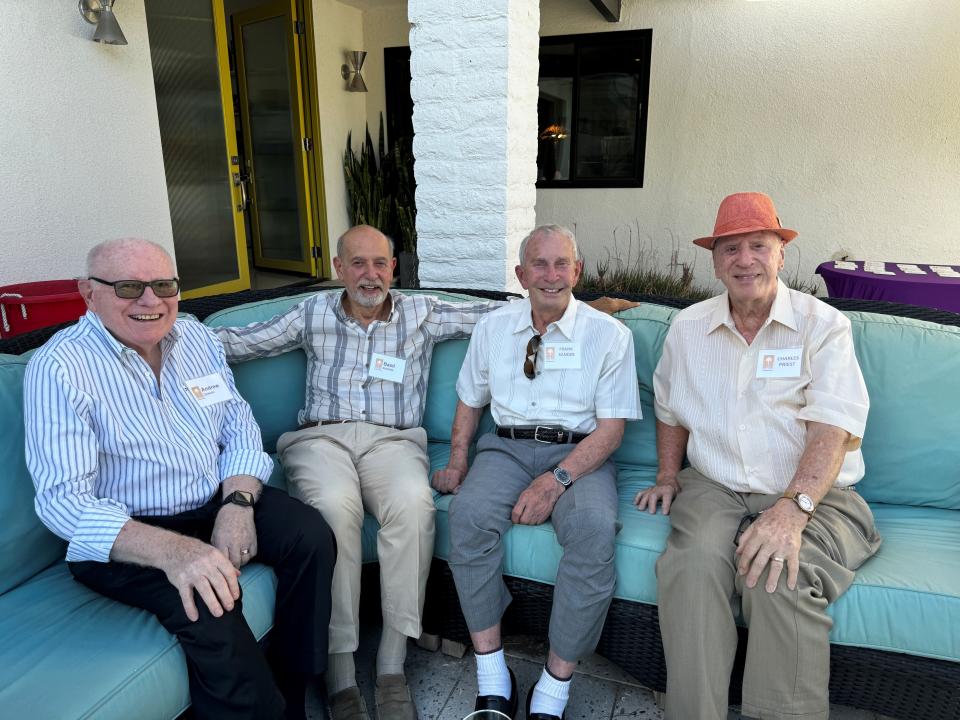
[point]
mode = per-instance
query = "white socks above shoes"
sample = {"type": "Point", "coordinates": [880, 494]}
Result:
{"type": "Point", "coordinates": [493, 678]}
{"type": "Point", "coordinates": [550, 695]}
{"type": "Point", "coordinates": [341, 673]}
{"type": "Point", "coordinates": [392, 652]}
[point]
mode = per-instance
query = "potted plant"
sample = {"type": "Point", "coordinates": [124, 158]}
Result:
{"type": "Point", "coordinates": [381, 193]}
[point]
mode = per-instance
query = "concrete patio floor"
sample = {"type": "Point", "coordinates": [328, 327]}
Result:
{"type": "Point", "coordinates": [444, 687]}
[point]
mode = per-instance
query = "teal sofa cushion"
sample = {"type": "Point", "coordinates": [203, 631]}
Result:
{"type": "Point", "coordinates": [26, 546]}
{"type": "Point", "coordinates": [72, 653]}
{"type": "Point", "coordinates": [912, 371]}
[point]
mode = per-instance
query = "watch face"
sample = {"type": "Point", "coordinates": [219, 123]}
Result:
{"type": "Point", "coordinates": [805, 503]}
{"type": "Point", "coordinates": [562, 476]}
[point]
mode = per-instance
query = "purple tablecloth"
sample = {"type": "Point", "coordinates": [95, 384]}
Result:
{"type": "Point", "coordinates": [928, 290]}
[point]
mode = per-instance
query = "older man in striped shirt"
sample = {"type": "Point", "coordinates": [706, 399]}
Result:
{"type": "Point", "coordinates": [150, 464]}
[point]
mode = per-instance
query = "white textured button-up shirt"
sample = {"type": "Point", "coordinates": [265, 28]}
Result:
{"type": "Point", "coordinates": [105, 440]}
{"type": "Point", "coordinates": [604, 385]}
{"type": "Point", "coordinates": [748, 432]}
{"type": "Point", "coordinates": [339, 351]}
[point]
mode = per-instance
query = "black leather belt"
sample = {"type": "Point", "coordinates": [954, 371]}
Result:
{"type": "Point", "coordinates": [541, 433]}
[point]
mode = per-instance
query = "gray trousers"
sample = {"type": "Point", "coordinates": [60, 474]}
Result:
{"type": "Point", "coordinates": [584, 518]}
{"type": "Point", "coordinates": [699, 592]}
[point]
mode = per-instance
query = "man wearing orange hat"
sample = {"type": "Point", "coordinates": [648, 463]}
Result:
{"type": "Point", "coordinates": [760, 389]}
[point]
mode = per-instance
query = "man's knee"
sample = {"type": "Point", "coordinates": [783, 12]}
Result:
{"type": "Point", "coordinates": [413, 507]}
{"type": "Point", "coordinates": [593, 530]}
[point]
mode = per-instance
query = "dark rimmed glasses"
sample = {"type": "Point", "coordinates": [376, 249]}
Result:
{"type": "Point", "coordinates": [745, 522]}
{"type": "Point", "coordinates": [133, 289]}
{"type": "Point", "coordinates": [530, 359]}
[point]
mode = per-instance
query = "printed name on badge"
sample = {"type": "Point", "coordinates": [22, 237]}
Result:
{"type": "Point", "coordinates": [561, 356]}
{"type": "Point", "coordinates": [780, 363]}
{"type": "Point", "coordinates": [387, 368]}
{"type": "Point", "coordinates": [209, 390]}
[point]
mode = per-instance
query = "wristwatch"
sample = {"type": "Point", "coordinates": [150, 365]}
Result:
{"type": "Point", "coordinates": [562, 476]}
{"type": "Point", "coordinates": [803, 501]}
{"type": "Point", "coordinates": [239, 497]}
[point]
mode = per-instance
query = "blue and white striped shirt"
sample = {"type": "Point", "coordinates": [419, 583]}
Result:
{"type": "Point", "coordinates": [105, 441]}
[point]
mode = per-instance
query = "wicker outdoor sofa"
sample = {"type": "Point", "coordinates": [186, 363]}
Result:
{"type": "Point", "coordinates": [896, 636]}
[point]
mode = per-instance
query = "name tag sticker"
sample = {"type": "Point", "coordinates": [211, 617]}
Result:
{"type": "Point", "coordinates": [780, 363]}
{"type": "Point", "coordinates": [561, 356]}
{"type": "Point", "coordinates": [209, 390]}
{"type": "Point", "coordinates": [387, 368]}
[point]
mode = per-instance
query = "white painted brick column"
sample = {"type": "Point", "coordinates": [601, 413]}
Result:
{"type": "Point", "coordinates": [474, 69]}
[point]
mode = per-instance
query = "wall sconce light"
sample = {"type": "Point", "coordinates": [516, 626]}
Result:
{"type": "Point", "coordinates": [100, 13]}
{"type": "Point", "coordinates": [355, 60]}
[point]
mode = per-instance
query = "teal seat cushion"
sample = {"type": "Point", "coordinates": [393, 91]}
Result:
{"type": "Point", "coordinates": [911, 369]}
{"type": "Point", "coordinates": [906, 598]}
{"type": "Point", "coordinates": [71, 653]}
{"type": "Point", "coordinates": [26, 546]}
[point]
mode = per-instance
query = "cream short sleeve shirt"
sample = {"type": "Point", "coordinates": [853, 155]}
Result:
{"type": "Point", "coordinates": [747, 431]}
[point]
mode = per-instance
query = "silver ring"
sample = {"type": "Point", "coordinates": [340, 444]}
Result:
{"type": "Point", "coordinates": [778, 559]}
{"type": "Point", "coordinates": [245, 551]}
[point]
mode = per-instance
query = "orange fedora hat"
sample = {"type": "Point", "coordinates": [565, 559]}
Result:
{"type": "Point", "coordinates": [743, 213]}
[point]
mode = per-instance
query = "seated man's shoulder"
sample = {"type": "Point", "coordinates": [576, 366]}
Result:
{"type": "Point", "coordinates": [699, 310]}
{"type": "Point", "coordinates": [812, 306]}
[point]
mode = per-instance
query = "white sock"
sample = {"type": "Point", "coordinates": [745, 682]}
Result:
{"type": "Point", "coordinates": [493, 677]}
{"type": "Point", "coordinates": [550, 695]}
{"type": "Point", "coordinates": [392, 652]}
{"type": "Point", "coordinates": [341, 673]}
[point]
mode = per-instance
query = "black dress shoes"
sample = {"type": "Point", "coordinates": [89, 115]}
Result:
{"type": "Point", "coordinates": [507, 706]}
{"type": "Point", "coordinates": [540, 716]}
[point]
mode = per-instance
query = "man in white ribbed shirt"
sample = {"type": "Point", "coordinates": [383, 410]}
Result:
{"type": "Point", "coordinates": [561, 382]}
{"type": "Point", "coordinates": [150, 464]}
{"type": "Point", "coordinates": [761, 390]}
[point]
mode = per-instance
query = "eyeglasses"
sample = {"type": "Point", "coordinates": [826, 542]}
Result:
{"type": "Point", "coordinates": [530, 361]}
{"type": "Point", "coordinates": [132, 289]}
{"type": "Point", "coordinates": [745, 522]}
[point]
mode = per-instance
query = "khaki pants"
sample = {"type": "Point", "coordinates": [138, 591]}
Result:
{"type": "Point", "coordinates": [699, 593]}
{"type": "Point", "coordinates": [342, 469]}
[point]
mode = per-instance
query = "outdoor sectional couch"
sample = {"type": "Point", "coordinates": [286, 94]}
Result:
{"type": "Point", "coordinates": [69, 653]}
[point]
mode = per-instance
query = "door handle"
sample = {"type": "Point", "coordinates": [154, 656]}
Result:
{"type": "Point", "coordinates": [240, 180]}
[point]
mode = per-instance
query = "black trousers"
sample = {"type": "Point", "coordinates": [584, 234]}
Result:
{"type": "Point", "coordinates": [229, 676]}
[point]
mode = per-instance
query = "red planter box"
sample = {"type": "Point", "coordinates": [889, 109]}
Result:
{"type": "Point", "coordinates": [29, 306]}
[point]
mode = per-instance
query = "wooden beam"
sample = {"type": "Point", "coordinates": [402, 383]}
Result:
{"type": "Point", "coordinates": [610, 9]}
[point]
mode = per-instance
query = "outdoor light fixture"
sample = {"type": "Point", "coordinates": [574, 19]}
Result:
{"type": "Point", "coordinates": [100, 13]}
{"type": "Point", "coordinates": [355, 60]}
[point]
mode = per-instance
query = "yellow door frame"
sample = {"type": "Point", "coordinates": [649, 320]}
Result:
{"type": "Point", "coordinates": [231, 164]}
{"type": "Point", "coordinates": [308, 168]}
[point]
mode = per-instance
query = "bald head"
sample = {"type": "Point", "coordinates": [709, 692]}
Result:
{"type": "Point", "coordinates": [110, 255]}
{"type": "Point", "coordinates": [364, 233]}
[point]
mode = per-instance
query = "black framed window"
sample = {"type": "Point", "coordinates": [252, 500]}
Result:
{"type": "Point", "coordinates": [592, 109]}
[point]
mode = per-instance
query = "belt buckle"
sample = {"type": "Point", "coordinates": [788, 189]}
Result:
{"type": "Point", "coordinates": [536, 434]}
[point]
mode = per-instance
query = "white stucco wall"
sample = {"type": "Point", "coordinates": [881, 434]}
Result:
{"type": "Point", "coordinates": [383, 27]}
{"type": "Point", "coordinates": [846, 113]}
{"type": "Point", "coordinates": [337, 29]}
{"type": "Point", "coordinates": [80, 155]}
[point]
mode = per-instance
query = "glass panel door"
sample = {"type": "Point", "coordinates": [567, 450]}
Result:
{"type": "Point", "coordinates": [275, 145]}
{"type": "Point", "coordinates": [188, 48]}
